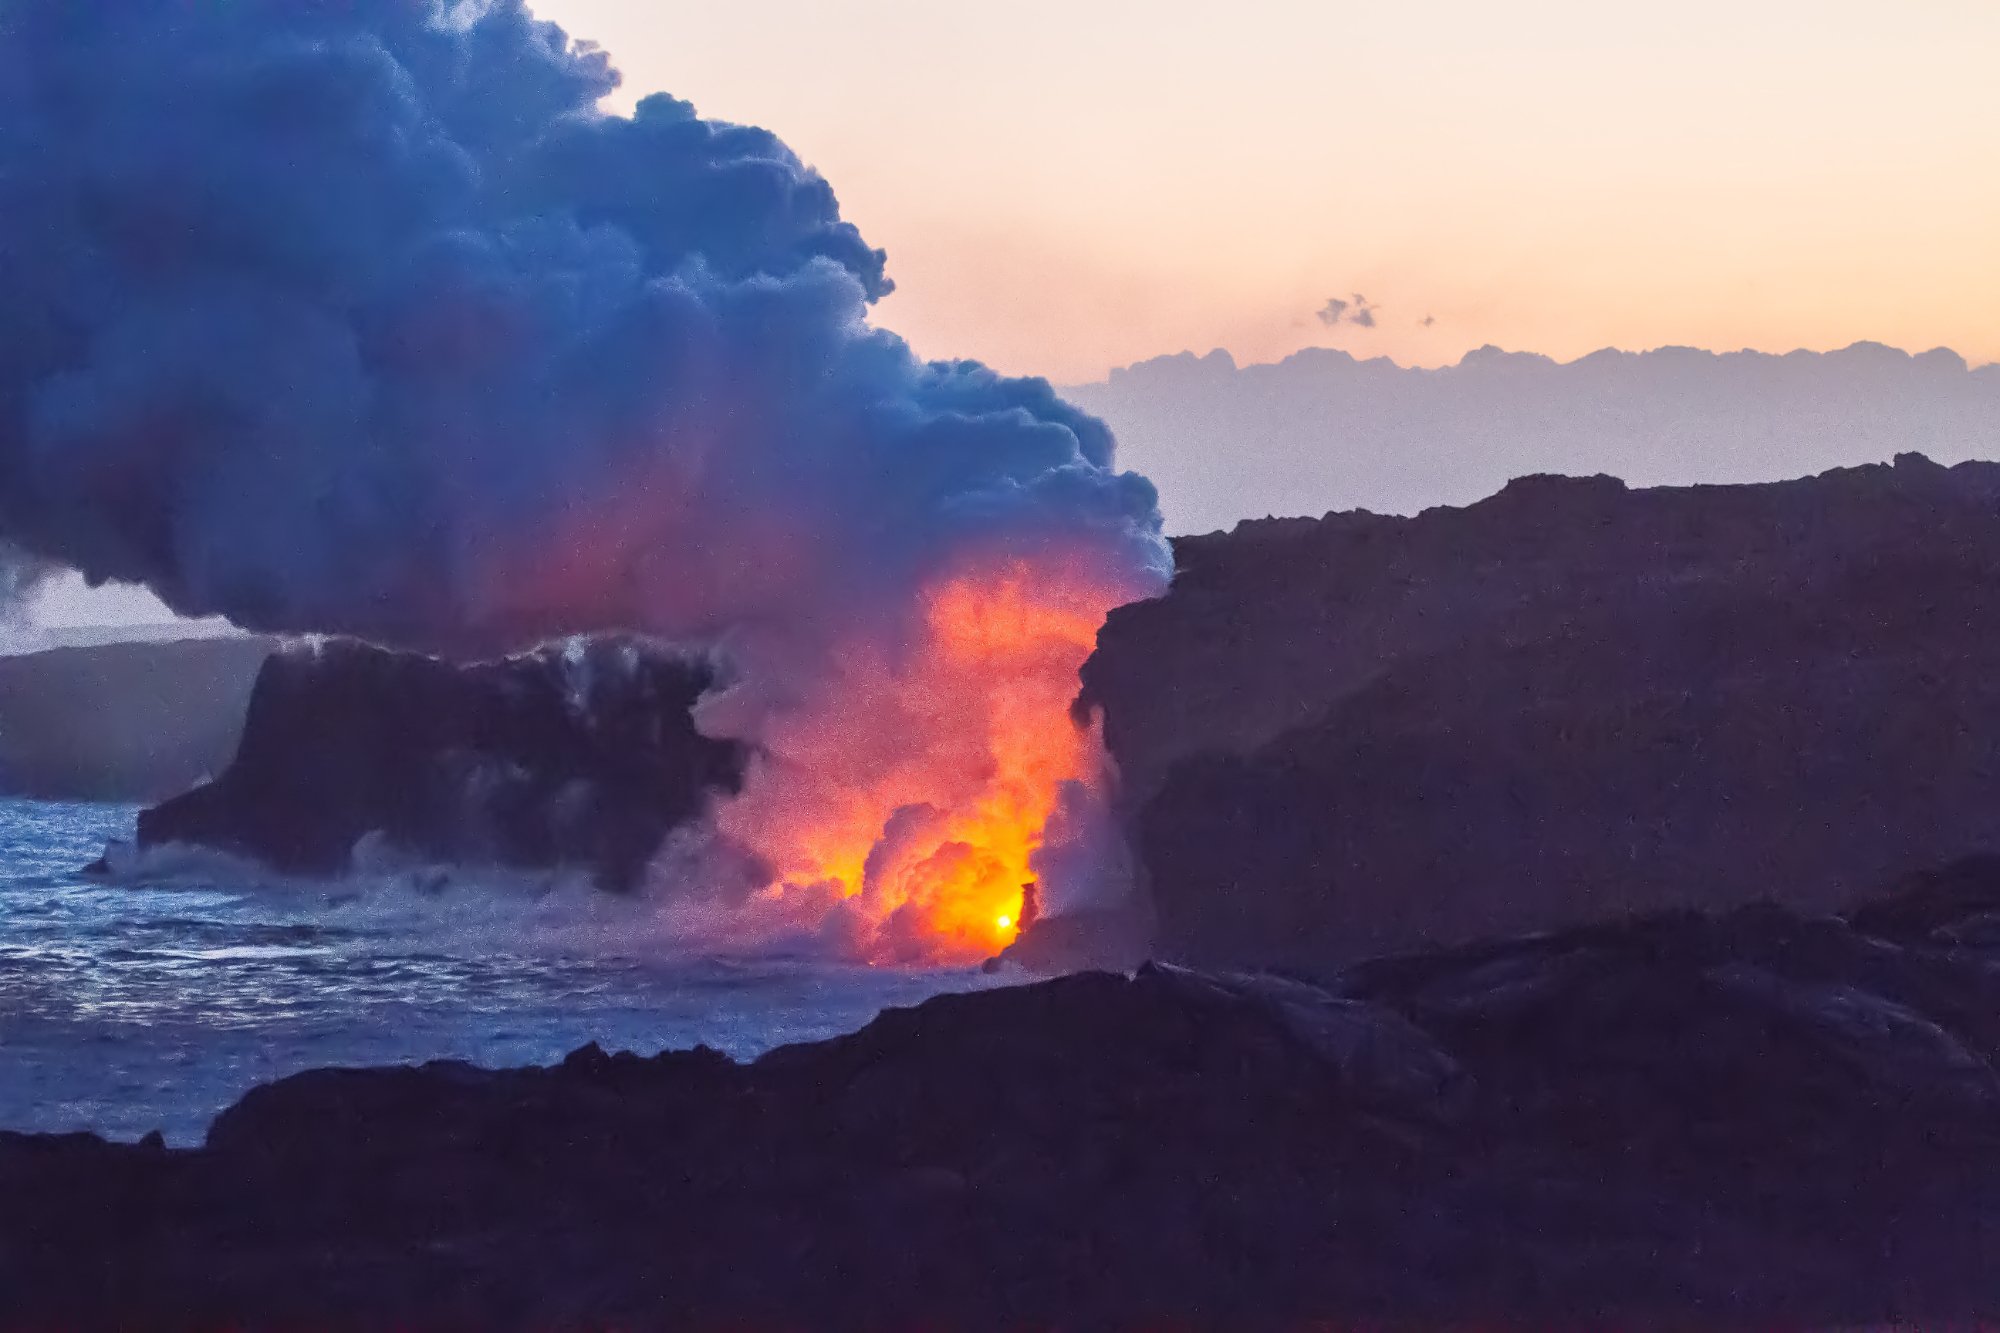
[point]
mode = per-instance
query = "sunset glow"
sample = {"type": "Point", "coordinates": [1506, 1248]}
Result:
{"type": "Point", "coordinates": [1552, 176]}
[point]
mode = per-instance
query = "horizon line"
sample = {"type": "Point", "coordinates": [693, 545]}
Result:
{"type": "Point", "coordinates": [1491, 352]}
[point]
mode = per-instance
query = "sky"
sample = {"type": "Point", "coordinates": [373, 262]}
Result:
{"type": "Point", "coordinates": [1065, 186]}
{"type": "Point", "coordinates": [1068, 186]}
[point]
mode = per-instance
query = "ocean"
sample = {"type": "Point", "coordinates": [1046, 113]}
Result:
{"type": "Point", "coordinates": [154, 999]}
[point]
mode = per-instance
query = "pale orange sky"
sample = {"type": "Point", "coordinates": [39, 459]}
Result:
{"type": "Point", "coordinates": [1068, 185]}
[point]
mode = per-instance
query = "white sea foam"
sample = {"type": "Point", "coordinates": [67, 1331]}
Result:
{"type": "Point", "coordinates": [155, 995]}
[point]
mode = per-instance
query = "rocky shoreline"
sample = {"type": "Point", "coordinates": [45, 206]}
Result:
{"type": "Point", "coordinates": [1336, 737]}
{"type": "Point", "coordinates": [1723, 1118]}
{"type": "Point", "coordinates": [1545, 821]}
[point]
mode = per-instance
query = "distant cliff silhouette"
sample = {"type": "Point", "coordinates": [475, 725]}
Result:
{"type": "Point", "coordinates": [123, 721]}
{"type": "Point", "coordinates": [1321, 430]}
{"type": "Point", "coordinates": [1566, 702]}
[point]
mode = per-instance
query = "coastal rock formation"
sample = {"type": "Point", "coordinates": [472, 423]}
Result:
{"type": "Point", "coordinates": [1571, 700]}
{"type": "Point", "coordinates": [583, 754]}
{"type": "Point", "coordinates": [1694, 1119]}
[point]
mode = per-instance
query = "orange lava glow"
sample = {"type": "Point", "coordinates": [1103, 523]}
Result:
{"type": "Point", "coordinates": [904, 812]}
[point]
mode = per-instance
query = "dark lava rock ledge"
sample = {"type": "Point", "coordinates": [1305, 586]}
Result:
{"type": "Point", "coordinates": [1735, 1118]}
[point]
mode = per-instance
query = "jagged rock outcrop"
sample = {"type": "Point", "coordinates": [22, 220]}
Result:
{"type": "Point", "coordinates": [578, 755]}
{"type": "Point", "coordinates": [1571, 700]}
{"type": "Point", "coordinates": [1755, 1117]}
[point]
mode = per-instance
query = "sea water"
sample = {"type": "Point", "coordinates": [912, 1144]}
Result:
{"type": "Point", "coordinates": [154, 999]}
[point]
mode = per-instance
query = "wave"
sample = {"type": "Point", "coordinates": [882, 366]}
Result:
{"type": "Point", "coordinates": [513, 910]}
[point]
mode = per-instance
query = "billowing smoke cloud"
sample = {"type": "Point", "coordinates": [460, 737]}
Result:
{"type": "Point", "coordinates": [358, 316]}
{"type": "Point", "coordinates": [1358, 311]}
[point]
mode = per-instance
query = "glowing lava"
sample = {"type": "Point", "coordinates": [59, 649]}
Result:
{"type": "Point", "coordinates": [903, 813]}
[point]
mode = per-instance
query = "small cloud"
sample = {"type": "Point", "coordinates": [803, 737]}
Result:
{"type": "Point", "coordinates": [1358, 310]}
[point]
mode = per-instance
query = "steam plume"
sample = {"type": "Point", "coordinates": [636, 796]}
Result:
{"type": "Point", "coordinates": [20, 575]}
{"type": "Point", "coordinates": [358, 316]}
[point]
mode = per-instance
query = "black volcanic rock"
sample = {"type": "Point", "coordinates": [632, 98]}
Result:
{"type": "Point", "coordinates": [1566, 702]}
{"type": "Point", "coordinates": [1695, 1119]}
{"type": "Point", "coordinates": [583, 754]}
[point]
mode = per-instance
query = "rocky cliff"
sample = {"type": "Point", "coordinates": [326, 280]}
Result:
{"type": "Point", "coordinates": [1568, 701]}
{"type": "Point", "coordinates": [582, 755]}
{"type": "Point", "coordinates": [1754, 1118]}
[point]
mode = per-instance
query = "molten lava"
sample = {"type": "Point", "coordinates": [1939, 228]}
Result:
{"type": "Point", "coordinates": [904, 810]}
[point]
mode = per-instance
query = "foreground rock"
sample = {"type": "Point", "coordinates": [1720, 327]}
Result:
{"type": "Point", "coordinates": [1566, 702]}
{"type": "Point", "coordinates": [1751, 1118]}
{"type": "Point", "coordinates": [580, 755]}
